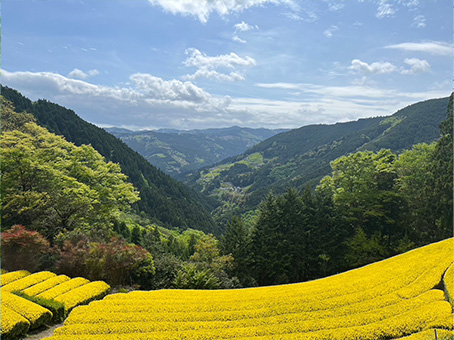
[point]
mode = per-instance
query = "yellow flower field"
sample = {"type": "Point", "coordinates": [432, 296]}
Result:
{"type": "Point", "coordinates": [18, 315]}
{"type": "Point", "coordinates": [391, 299]}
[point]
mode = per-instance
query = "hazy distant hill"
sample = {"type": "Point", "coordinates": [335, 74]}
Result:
{"type": "Point", "coordinates": [162, 198]}
{"type": "Point", "coordinates": [302, 156]}
{"type": "Point", "coordinates": [176, 152]}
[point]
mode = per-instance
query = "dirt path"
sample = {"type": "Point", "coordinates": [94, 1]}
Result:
{"type": "Point", "coordinates": [41, 333]}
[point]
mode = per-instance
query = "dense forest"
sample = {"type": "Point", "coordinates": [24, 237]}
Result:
{"type": "Point", "coordinates": [68, 207]}
{"type": "Point", "coordinates": [302, 156]}
{"type": "Point", "coordinates": [187, 208]}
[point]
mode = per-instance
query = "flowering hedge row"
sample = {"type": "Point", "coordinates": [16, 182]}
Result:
{"type": "Point", "coordinates": [35, 314]}
{"type": "Point", "coordinates": [84, 294]}
{"type": "Point", "coordinates": [429, 334]}
{"type": "Point", "coordinates": [12, 324]}
{"type": "Point", "coordinates": [384, 300]}
{"type": "Point", "coordinates": [27, 281]}
{"type": "Point", "coordinates": [45, 285]}
{"type": "Point", "coordinates": [63, 288]}
{"type": "Point", "coordinates": [6, 278]}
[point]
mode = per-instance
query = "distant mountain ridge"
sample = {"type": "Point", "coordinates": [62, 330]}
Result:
{"type": "Point", "coordinates": [162, 198]}
{"type": "Point", "coordinates": [302, 156]}
{"type": "Point", "coordinates": [181, 151]}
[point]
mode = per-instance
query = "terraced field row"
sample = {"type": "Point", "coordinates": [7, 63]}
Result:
{"type": "Point", "coordinates": [402, 296]}
{"type": "Point", "coordinates": [18, 314]}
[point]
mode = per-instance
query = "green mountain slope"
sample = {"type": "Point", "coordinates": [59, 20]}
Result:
{"type": "Point", "coordinates": [162, 198]}
{"type": "Point", "coordinates": [176, 152]}
{"type": "Point", "coordinates": [300, 157]}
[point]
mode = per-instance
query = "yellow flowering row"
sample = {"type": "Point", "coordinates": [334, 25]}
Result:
{"type": "Point", "coordinates": [63, 288]}
{"type": "Point", "coordinates": [45, 285]}
{"type": "Point", "coordinates": [27, 281]}
{"type": "Point", "coordinates": [448, 281]}
{"type": "Point", "coordinates": [410, 322]}
{"type": "Point", "coordinates": [12, 324]}
{"type": "Point", "coordinates": [429, 334]}
{"type": "Point", "coordinates": [299, 322]}
{"type": "Point", "coordinates": [83, 294]}
{"type": "Point", "coordinates": [384, 300]}
{"type": "Point", "coordinates": [90, 315]}
{"type": "Point", "coordinates": [12, 276]}
{"type": "Point", "coordinates": [35, 314]}
{"type": "Point", "coordinates": [411, 273]}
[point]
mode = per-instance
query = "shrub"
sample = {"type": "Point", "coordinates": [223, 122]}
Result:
{"type": "Point", "coordinates": [116, 262]}
{"type": "Point", "coordinates": [22, 249]}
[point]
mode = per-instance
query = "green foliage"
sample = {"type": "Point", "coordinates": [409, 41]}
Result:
{"type": "Point", "coordinates": [364, 250]}
{"type": "Point", "coordinates": [57, 308]}
{"type": "Point", "coordinates": [302, 156]}
{"type": "Point", "coordinates": [190, 277]}
{"type": "Point", "coordinates": [23, 249]}
{"type": "Point", "coordinates": [296, 237]}
{"type": "Point", "coordinates": [52, 185]}
{"type": "Point", "coordinates": [161, 198]}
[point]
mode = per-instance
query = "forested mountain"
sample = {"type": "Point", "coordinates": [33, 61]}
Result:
{"type": "Point", "coordinates": [302, 156]}
{"type": "Point", "coordinates": [161, 197]}
{"type": "Point", "coordinates": [176, 152]}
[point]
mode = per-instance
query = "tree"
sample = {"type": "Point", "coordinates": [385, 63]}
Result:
{"type": "Point", "coordinates": [362, 187]}
{"type": "Point", "coordinates": [51, 185]}
{"type": "Point", "coordinates": [236, 242]}
{"type": "Point", "coordinates": [23, 249]}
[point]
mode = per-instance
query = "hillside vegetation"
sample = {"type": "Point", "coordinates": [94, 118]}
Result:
{"type": "Point", "coordinates": [177, 152]}
{"type": "Point", "coordinates": [161, 197]}
{"type": "Point", "coordinates": [385, 300]}
{"type": "Point", "coordinates": [302, 156]}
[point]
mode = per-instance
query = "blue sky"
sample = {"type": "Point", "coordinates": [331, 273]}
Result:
{"type": "Point", "coordinates": [186, 64]}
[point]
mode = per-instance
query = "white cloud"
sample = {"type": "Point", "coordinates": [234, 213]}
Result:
{"type": "Point", "coordinates": [147, 101]}
{"type": "Point", "coordinates": [374, 68]}
{"type": "Point", "coordinates": [417, 66]}
{"type": "Point", "coordinates": [419, 21]}
{"type": "Point", "coordinates": [238, 39]}
{"type": "Point", "coordinates": [208, 67]}
{"type": "Point", "coordinates": [202, 9]}
{"type": "Point", "coordinates": [385, 10]}
{"type": "Point", "coordinates": [431, 47]}
{"type": "Point", "coordinates": [329, 32]}
{"type": "Point", "coordinates": [243, 27]}
{"type": "Point", "coordinates": [79, 74]}
{"type": "Point", "coordinates": [152, 102]}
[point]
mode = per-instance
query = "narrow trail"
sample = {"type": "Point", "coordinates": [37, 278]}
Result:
{"type": "Point", "coordinates": [41, 333]}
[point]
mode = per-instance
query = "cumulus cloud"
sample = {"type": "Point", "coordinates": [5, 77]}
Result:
{"type": "Point", "coordinates": [374, 68]}
{"type": "Point", "coordinates": [385, 10]}
{"type": "Point", "coordinates": [431, 47]}
{"type": "Point", "coordinates": [211, 67]}
{"type": "Point", "coordinates": [147, 101]}
{"type": "Point", "coordinates": [417, 66]}
{"type": "Point", "coordinates": [79, 74]}
{"type": "Point", "coordinates": [202, 9]}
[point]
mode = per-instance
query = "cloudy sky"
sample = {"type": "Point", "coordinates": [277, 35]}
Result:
{"type": "Point", "coordinates": [147, 64]}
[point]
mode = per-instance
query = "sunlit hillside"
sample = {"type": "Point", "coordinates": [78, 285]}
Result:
{"type": "Point", "coordinates": [397, 297]}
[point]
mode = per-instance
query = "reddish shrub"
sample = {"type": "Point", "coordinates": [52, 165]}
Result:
{"type": "Point", "coordinates": [23, 249]}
